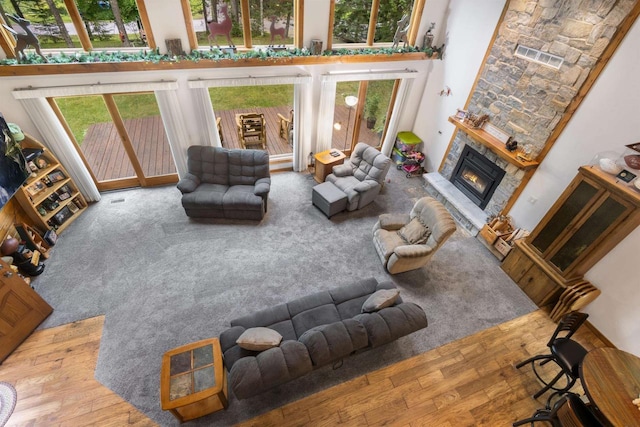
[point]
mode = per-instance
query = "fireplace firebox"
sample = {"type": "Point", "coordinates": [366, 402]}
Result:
{"type": "Point", "coordinates": [476, 176]}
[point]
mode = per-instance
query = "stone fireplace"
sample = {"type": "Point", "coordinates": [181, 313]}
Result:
{"type": "Point", "coordinates": [526, 99]}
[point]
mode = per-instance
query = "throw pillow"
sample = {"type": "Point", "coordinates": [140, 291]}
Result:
{"type": "Point", "coordinates": [259, 339]}
{"type": "Point", "coordinates": [414, 233]}
{"type": "Point", "coordinates": [380, 299]}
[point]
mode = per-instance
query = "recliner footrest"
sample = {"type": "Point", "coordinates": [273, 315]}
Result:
{"type": "Point", "coordinates": [329, 199]}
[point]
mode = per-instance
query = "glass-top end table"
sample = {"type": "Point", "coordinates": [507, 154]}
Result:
{"type": "Point", "coordinates": [193, 381]}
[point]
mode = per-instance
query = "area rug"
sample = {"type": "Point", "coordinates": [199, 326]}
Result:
{"type": "Point", "coordinates": [8, 399]}
{"type": "Point", "coordinates": [163, 280]}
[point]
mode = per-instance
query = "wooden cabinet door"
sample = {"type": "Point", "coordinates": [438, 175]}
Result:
{"type": "Point", "coordinates": [539, 287]}
{"type": "Point", "coordinates": [21, 310]}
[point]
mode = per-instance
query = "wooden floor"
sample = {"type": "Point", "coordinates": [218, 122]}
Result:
{"type": "Point", "coordinates": [469, 382]}
{"type": "Point", "coordinates": [52, 372]}
{"type": "Point", "coordinates": [105, 153]}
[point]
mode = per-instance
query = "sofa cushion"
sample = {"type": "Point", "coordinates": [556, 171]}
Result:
{"type": "Point", "coordinates": [414, 233]}
{"type": "Point", "coordinates": [259, 339]}
{"type": "Point", "coordinates": [205, 195]}
{"type": "Point", "coordinates": [241, 197]}
{"type": "Point", "coordinates": [380, 299]}
{"type": "Point", "coordinates": [247, 166]}
{"type": "Point", "coordinates": [313, 317]}
{"type": "Point", "coordinates": [328, 343]}
{"type": "Point", "coordinates": [276, 318]}
{"type": "Point", "coordinates": [392, 323]}
{"type": "Point", "coordinates": [253, 375]}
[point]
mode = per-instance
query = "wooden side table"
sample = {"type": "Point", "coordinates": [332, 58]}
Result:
{"type": "Point", "coordinates": [193, 381]}
{"type": "Point", "coordinates": [325, 163]}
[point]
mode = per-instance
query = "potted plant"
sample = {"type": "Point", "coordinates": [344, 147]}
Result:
{"type": "Point", "coordinates": [372, 108]}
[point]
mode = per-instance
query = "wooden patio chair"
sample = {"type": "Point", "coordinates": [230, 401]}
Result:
{"type": "Point", "coordinates": [219, 126]}
{"type": "Point", "coordinates": [252, 130]}
{"type": "Point", "coordinates": [286, 126]}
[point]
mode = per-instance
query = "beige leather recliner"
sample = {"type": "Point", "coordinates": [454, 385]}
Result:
{"type": "Point", "coordinates": [408, 241]}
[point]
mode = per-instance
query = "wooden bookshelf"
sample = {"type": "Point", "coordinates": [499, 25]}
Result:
{"type": "Point", "coordinates": [493, 144]}
{"type": "Point", "coordinates": [34, 200]}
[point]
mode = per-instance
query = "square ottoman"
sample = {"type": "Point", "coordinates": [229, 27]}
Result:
{"type": "Point", "coordinates": [329, 198]}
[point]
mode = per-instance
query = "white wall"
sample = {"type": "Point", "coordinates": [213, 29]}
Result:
{"type": "Point", "coordinates": [602, 123]}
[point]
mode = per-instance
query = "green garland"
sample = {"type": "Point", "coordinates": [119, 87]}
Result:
{"type": "Point", "coordinates": [214, 54]}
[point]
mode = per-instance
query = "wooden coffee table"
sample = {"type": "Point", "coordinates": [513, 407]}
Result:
{"type": "Point", "coordinates": [193, 381]}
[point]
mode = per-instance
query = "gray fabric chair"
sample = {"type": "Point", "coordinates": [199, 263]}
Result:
{"type": "Point", "coordinates": [361, 176]}
{"type": "Point", "coordinates": [223, 183]}
{"type": "Point", "coordinates": [402, 249]}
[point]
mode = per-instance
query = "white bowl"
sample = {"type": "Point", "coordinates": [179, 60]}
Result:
{"type": "Point", "coordinates": [610, 166]}
{"type": "Point", "coordinates": [637, 183]}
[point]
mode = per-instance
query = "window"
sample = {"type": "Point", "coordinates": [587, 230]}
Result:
{"type": "Point", "coordinates": [225, 24]}
{"type": "Point", "coordinates": [82, 23]}
{"type": "Point", "coordinates": [368, 22]}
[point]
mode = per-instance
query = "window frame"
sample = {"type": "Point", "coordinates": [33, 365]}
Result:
{"type": "Point", "coordinates": [298, 19]}
{"type": "Point", "coordinates": [85, 42]}
{"type": "Point", "coordinates": [414, 23]}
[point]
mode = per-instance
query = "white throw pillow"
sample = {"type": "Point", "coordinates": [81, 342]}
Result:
{"type": "Point", "coordinates": [380, 299]}
{"type": "Point", "coordinates": [259, 339]}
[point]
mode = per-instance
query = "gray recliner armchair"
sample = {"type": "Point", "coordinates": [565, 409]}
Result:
{"type": "Point", "coordinates": [223, 183]}
{"type": "Point", "coordinates": [361, 176]}
{"type": "Point", "coordinates": [408, 241]}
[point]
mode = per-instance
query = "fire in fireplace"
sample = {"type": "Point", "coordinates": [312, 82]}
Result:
{"type": "Point", "coordinates": [476, 176]}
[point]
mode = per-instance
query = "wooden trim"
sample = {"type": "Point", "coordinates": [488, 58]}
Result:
{"type": "Point", "coordinates": [246, 23]}
{"type": "Point", "coordinates": [161, 180]}
{"type": "Point", "coordinates": [392, 103]}
{"type": "Point", "coordinates": [74, 14]}
{"type": "Point", "coordinates": [124, 135]}
{"type": "Point", "coordinates": [188, 21]}
{"type": "Point", "coordinates": [298, 37]}
{"type": "Point", "coordinates": [118, 184]}
{"type": "Point", "coordinates": [109, 67]}
{"type": "Point", "coordinates": [7, 41]}
{"type": "Point", "coordinates": [56, 110]}
{"type": "Point", "coordinates": [478, 74]}
{"type": "Point", "coordinates": [516, 193]}
{"type": "Point", "coordinates": [493, 144]}
{"type": "Point", "coordinates": [416, 17]}
{"type": "Point", "coordinates": [332, 18]}
{"type": "Point", "coordinates": [146, 25]}
{"type": "Point", "coordinates": [373, 19]}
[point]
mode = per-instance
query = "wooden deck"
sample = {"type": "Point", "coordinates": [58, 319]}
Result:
{"type": "Point", "coordinates": [103, 149]}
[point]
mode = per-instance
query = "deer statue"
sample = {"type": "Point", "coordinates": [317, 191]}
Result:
{"type": "Point", "coordinates": [24, 40]}
{"type": "Point", "coordinates": [401, 32]}
{"type": "Point", "coordinates": [275, 31]}
{"type": "Point", "coordinates": [221, 28]}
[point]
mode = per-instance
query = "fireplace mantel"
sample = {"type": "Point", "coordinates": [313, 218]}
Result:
{"type": "Point", "coordinates": [493, 144]}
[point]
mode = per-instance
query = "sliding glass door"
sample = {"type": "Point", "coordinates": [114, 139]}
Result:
{"type": "Point", "coordinates": [121, 138]}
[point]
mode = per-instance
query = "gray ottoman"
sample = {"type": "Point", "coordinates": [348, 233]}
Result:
{"type": "Point", "coordinates": [329, 198]}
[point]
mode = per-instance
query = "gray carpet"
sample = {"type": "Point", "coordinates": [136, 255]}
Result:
{"type": "Point", "coordinates": [164, 280]}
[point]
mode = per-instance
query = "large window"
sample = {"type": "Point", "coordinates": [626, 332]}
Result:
{"type": "Point", "coordinates": [368, 22]}
{"type": "Point", "coordinates": [86, 24]}
{"type": "Point", "coordinates": [245, 23]}
{"type": "Point", "coordinates": [121, 138]}
{"type": "Point", "coordinates": [273, 102]}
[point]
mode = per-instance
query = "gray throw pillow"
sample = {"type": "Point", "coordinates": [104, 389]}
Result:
{"type": "Point", "coordinates": [380, 299]}
{"type": "Point", "coordinates": [414, 233]}
{"type": "Point", "coordinates": [259, 339]}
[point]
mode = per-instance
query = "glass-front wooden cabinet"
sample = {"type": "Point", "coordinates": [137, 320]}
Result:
{"type": "Point", "coordinates": [593, 214]}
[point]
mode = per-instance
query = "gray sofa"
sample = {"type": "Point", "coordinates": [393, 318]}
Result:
{"type": "Point", "coordinates": [318, 329]}
{"type": "Point", "coordinates": [222, 183]}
